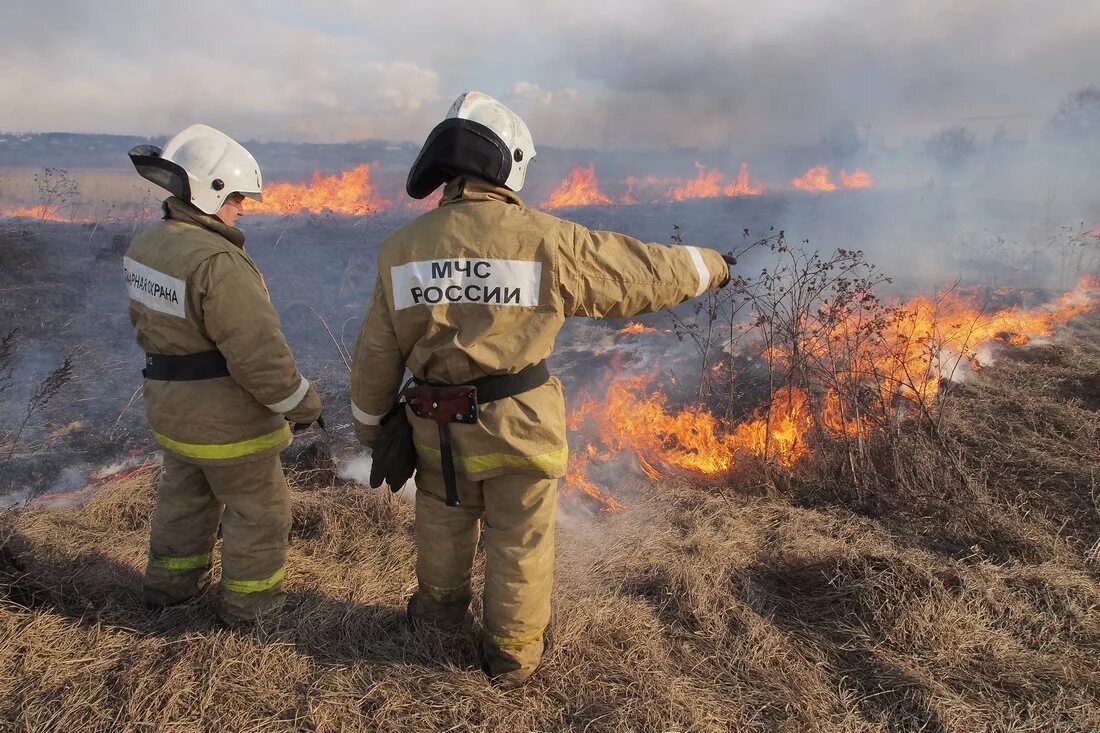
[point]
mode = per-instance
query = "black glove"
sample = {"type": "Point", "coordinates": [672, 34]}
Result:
{"type": "Point", "coordinates": [394, 453]}
{"type": "Point", "coordinates": [301, 427]}
{"type": "Point", "coordinates": [730, 260]}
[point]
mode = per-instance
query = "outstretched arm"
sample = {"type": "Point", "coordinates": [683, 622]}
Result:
{"type": "Point", "coordinates": [608, 275]}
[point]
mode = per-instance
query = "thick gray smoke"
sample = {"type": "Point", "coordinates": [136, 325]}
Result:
{"type": "Point", "coordinates": [617, 75]}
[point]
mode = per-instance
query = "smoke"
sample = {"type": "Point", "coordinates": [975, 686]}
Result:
{"type": "Point", "coordinates": [612, 75]}
{"type": "Point", "coordinates": [357, 470]}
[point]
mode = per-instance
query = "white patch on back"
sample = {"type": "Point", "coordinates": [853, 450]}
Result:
{"type": "Point", "coordinates": [484, 282]}
{"type": "Point", "coordinates": [153, 289]}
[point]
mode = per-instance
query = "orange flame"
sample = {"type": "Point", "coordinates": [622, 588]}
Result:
{"type": "Point", "coordinates": [629, 197]}
{"type": "Point", "coordinates": [815, 179]}
{"type": "Point", "coordinates": [820, 179]}
{"type": "Point", "coordinates": [836, 421]}
{"type": "Point", "coordinates": [65, 214]}
{"type": "Point", "coordinates": [349, 193]}
{"type": "Point", "coordinates": [580, 189]}
{"type": "Point", "coordinates": [34, 212]}
{"type": "Point", "coordinates": [635, 329]}
{"type": "Point", "coordinates": [711, 184]}
{"type": "Point", "coordinates": [858, 178]}
{"type": "Point", "coordinates": [633, 418]}
{"type": "Point", "coordinates": [578, 483]}
{"type": "Point", "coordinates": [425, 204]}
{"type": "Point", "coordinates": [930, 339]}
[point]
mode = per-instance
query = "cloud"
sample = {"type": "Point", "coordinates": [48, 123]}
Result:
{"type": "Point", "coordinates": [613, 74]}
{"type": "Point", "coordinates": [266, 77]}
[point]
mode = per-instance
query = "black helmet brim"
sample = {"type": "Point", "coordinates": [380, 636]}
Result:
{"type": "Point", "coordinates": [166, 174]}
{"type": "Point", "coordinates": [455, 147]}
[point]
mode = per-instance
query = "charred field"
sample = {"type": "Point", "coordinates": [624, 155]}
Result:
{"type": "Point", "coordinates": [939, 571]}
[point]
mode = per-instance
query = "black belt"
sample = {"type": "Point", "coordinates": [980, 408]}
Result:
{"type": "Point", "coordinates": [498, 386]}
{"type": "Point", "coordinates": [187, 368]}
{"type": "Point", "coordinates": [458, 403]}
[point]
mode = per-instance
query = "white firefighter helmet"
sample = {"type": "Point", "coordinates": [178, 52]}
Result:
{"type": "Point", "coordinates": [202, 166]}
{"type": "Point", "coordinates": [479, 136]}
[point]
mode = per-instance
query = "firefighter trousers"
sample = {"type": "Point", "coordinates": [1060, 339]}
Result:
{"type": "Point", "coordinates": [516, 514]}
{"type": "Point", "coordinates": [251, 502]}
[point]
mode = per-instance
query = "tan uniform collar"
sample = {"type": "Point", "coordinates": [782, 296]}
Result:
{"type": "Point", "coordinates": [469, 188]}
{"type": "Point", "coordinates": [179, 210]}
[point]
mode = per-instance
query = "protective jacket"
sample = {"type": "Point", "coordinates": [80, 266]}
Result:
{"type": "Point", "coordinates": [193, 289]}
{"type": "Point", "coordinates": [481, 286]}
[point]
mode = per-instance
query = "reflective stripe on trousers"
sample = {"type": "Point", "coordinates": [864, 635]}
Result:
{"type": "Point", "coordinates": [181, 563]}
{"type": "Point", "coordinates": [255, 586]}
{"type": "Point", "coordinates": [216, 451]}
{"type": "Point", "coordinates": [506, 642]}
{"type": "Point", "coordinates": [550, 462]}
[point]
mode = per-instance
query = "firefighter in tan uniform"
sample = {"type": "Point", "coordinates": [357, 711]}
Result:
{"type": "Point", "coordinates": [475, 292]}
{"type": "Point", "coordinates": [220, 381]}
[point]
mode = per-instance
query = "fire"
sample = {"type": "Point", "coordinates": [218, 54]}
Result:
{"type": "Point", "coordinates": [778, 432]}
{"type": "Point", "coordinates": [350, 193]}
{"type": "Point", "coordinates": [578, 483]}
{"type": "Point", "coordinates": [633, 417]}
{"type": "Point", "coordinates": [820, 179]}
{"type": "Point", "coordinates": [425, 204]}
{"type": "Point", "coordinates": [742, 187]}
{"type": "Point", "coordinates": [934, 336]}
{"type": "Point", "coordinates": [649, 184]}
{"type": "Point", "coordinates": [580, 189]}
{"type": "Point", "coordinates": [635, 329]}
{"type": "Point", "coordinates": [35, 212]}
{"type": "Point", "coordinates": [629, 197]}
{"type": "Point", "coordinates": [816, 179]}
{"type": "Point", "coordinates": [834, 419]}
{"type": "Point", "coordinates": [711, 184]}
{"type": "Point", "coordinates": [858, 178]}
{"type": "Point", "coordinates": [355, 192]}
{"type": "Point", "coordinates": [928, 339]}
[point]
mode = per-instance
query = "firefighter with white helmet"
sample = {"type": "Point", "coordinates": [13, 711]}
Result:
{"type": "Point", "coordinates": [221, 385]}
{"type": "Point", "coordinates": [473, 294]}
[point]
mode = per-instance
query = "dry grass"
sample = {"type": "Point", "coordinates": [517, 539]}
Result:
{"type": "Point", "coordinates": [102, 194]}
{"type": "Point", "coordinates": [959, 595]}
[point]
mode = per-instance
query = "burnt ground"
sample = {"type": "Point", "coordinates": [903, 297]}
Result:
{"type": "Point", "coordinates": [61, 297]}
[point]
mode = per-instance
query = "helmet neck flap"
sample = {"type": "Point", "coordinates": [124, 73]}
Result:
{"type": "Point", "coordinates": [161, 171]}
{"type": "Point", "coordinates": [459, 146]}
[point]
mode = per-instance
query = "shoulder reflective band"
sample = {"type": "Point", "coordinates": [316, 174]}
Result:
{"type": "Point", "coordinates": [700, 268]}
{"type": "Point", "coordinates": [293, 400]}
{"type": "Point", "coordinates": [181, 562]}
{"type": "Point", "coordinates": [365, 418]}
{"type": "Point", "coordinates": [255, 586]}
{"type": "Point", "coordinates": [550, 462]}
{"type": "Point", "coordinates": [226, 450]}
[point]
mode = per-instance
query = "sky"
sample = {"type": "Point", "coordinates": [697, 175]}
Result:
{"type": "Point", "coordinates": [621, 74]}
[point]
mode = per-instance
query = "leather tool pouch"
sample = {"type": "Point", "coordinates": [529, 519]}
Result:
{"type": "Point", "coordinates": [443, 405]}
